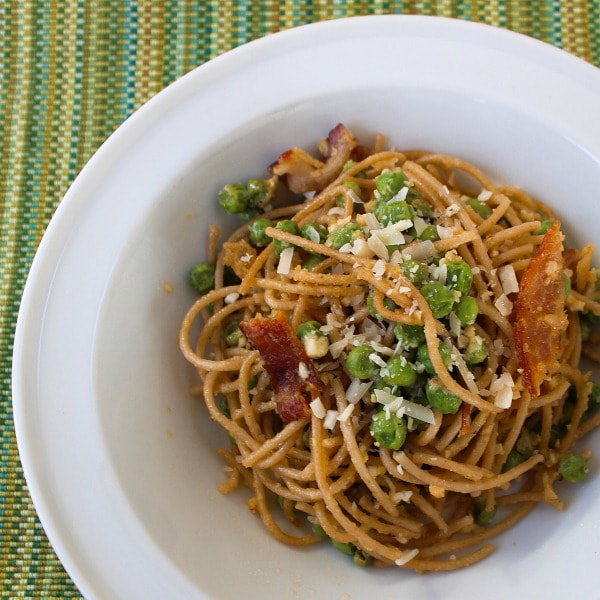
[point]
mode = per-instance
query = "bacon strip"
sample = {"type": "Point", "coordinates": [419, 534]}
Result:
{"type": "Point", "coordinates": [303, 173]}
{"type": "Point", "coordinates": [540, 311]}
{"type": "Point", "coordinates": [282, 353]}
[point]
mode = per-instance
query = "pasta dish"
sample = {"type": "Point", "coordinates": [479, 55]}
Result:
{"type": "Point", "coordinates": [392, 342]}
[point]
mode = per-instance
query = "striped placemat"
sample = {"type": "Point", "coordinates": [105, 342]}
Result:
{"type": "Point", "coordinates": [70, 72]}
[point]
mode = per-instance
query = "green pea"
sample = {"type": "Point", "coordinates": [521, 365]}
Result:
{"type": "Point", "coordinates": [234, 198]}
{"type": "Point", "coordinates": [346, 548]}
{"type": "Point", "coordinates": [567, 284]}
{"type": "Point", "coordinates": [545, 225]}
{"type": "Point", "coordinates": [390, 183]}
{"type": "Point", "coordinates": [359, 364]}
{"type": "Point", "coordinates": [476, 352]}
{"type": "Point", "coordinates": [415, 271]}
{"type": "Point", "coordinates": [252, 382]}
{"type": "Point", "coordinates": [257, 191]}
{"type": "Point", "coordinates": [441, 398]}
{"type": "Point", "coordinates": [312, 261]}
{"type": "Point", "coordinates": [424, 358]}
{"type": "Point", "coordinates": [392, 212]}
{"type": "Point", "coordinates": [573, 467]}
{"type": "Point", "coordinates": [480, 207]}
{"type": "Point", "coordinates": [400, 372]}
{"type": "Point", "coordinates": [309, 328]}
{"type": "Point", "coordinates": [387, 302]}
{"type": "Point", "coordinates": [484, 517]}
{"type": "Point", "coordinates": [430, 233]}
{"type": "Point", "coordinates": [459, 276]}
{"type": "Point", "coordinates": [389, 431]}
{"type": "Point", "coordinates": [467, 310]}
{"type": "Point", "coordinates": [514, 459]}
{"type": "Point", "coordinates": [314, 232]}
{"type": "Point", "coordinates": [229, 276]}
{"type": "Point", "coordinates": [223, 404]}
{"type": "Point", "coordinates": [422, 206]}
{"type": "Point", "coordinates": [202, 277]}
{"type": "Point", "coordinates": [411, 336]}
{"type": "Point", "coordinates": [344, 235]}
{"type": "Point", "coordinates": [233, 334]}
{"type": "Point", "coordinates": [362, 559]}
{"type": "Point", "coordinates": [439, 298]}
{"type": "Point", "coordinates": [289, 227]}
{"type": "Point", "coordinates": [258, 237]}
{"type": "Point", "coordinates": [318, 530]}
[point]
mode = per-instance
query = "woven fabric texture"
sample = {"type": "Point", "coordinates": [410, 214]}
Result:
{"type": "Point", "coordinates": [70, 72]}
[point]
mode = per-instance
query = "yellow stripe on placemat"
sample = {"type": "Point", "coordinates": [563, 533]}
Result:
{"type": "Point", "coordinates": [71, 72]}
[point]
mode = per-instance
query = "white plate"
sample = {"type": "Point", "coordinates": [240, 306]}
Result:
{"type": "Point", "coordinates": [119, 460]}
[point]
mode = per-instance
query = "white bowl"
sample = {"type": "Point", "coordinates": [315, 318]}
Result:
{"type": "Point", "coordinates": [120, 461]}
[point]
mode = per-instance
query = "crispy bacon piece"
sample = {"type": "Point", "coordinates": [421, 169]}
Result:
{"type": "Point", "coordinates": [540, 311]}
{"type": "Point", "coordinates": [282, 353]}
{"type": "Point", "coordinates": [303, 173]}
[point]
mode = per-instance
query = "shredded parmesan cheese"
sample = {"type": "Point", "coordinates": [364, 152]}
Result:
{"type": "Point", "coordinates": [375, 358]}
{"type": "Point", "coordinates": [420, 251]}
{"type": "Point", "coordinates": [361, 248]}
{"type": "Point", "coordinates": [345, 415]}
{"type": "Point", "coordinates": [452, 210]}
{"type": "Point", "coordinates": [504, 305]}
{"type": "Point", "coordinates": [379, 269]}
{"type": "Point", "coordinates": [378, 247]}
{"type": "Point", "coordinates": [508, 278]}
{"type": "Point", "coordinates": [370, 221]}
{"type": "Point", "coordinates": [502, 387]}
{"type": "Point", "coordinates": [402, 496]}
{"type": "Point", "coordinates": [303, 371]}
{"type": "Point", "coordinates": [444, 232]}
{"type": "Point", "coordinates": [420, 225]}
{"type": "Point", "coordinates": [406, 407]}
{"type": "Point", "coordinates": [331, 418]}
{"type": "Point", "coordinates": [407, 556]}
{"type": "Point", "coordinates": [285, 261]}
{"type": "Point", "coordinates": [357, 389]}
{"type": "Point", "coordinates": [338, 347]}
{"type": "Point", "coordinates": [231, 298]}
{"type": "Point", "coordinates": [317, 408]}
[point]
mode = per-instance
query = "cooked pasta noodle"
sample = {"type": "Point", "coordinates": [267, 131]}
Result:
{"type": "Point", "coordinates": [421, 391]}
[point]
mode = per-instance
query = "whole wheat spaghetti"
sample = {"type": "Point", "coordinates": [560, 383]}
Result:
{"type": "Point", "coordinates": [394, 352]}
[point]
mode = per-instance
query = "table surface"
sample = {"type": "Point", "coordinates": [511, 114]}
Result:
{"type": "Point", "coordinates": [70, 73]}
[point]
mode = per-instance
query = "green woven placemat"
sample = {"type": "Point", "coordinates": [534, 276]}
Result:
{"type": "Point", "coordinates": [70, 72]}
